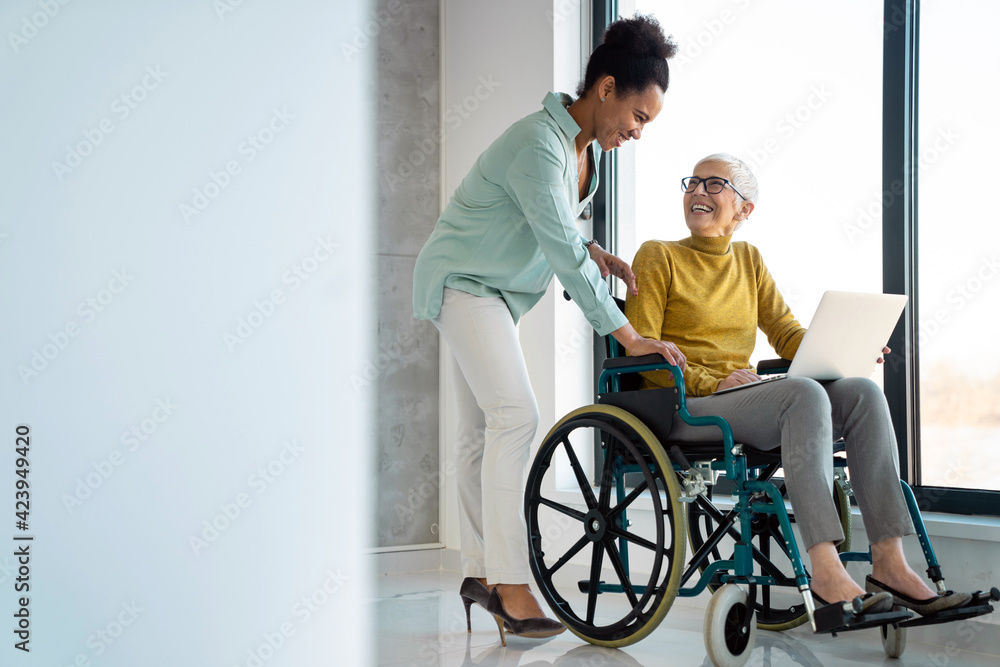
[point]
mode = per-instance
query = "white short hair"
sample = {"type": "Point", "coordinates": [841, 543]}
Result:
{"type": "Point", "coordinates": [739, 174]}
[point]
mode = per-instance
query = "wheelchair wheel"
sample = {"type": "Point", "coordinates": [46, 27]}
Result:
{"type": "Point", "coordinates": [778, 607]}
{"type": "Point", "coordinates": [893, 638]}
{"type": "Point", "coordinates": [567, 518]}
{"type": "Point", "coordinates": [725, 640]}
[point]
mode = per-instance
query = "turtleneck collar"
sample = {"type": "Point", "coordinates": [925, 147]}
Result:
{"type": "Point", "coordinates": [710, 245]}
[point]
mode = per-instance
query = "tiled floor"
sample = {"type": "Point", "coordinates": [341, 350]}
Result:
{"type": "Point", "coordinates": [420, 622]}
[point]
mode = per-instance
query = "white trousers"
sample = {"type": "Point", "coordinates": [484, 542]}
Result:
{"type": "Point", "coordinates": [497, 420]}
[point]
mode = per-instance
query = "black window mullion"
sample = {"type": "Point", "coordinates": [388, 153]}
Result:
{"type": "Point", "coordinates": [603, 203]}
{"type": "Point", "coordinates": [899, 175]}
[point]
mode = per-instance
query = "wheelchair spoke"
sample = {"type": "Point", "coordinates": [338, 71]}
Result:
{"type": "Point", "coordinates": [608, 475]}
{"type": "Point", "coordinates": [623, 577]}
{"type": "Point", "coordinates": [573, 550]}
{"type": "Point", "coordinates": [581, 477]}
{"type": "Point", "coordinates": [595, 579]}
{"type": "Point", "coordinates": [562, 509]}
{"type": "Point", "coordinates": [631, 537]}
{"type": "Point", "coordinates": [620, 507]}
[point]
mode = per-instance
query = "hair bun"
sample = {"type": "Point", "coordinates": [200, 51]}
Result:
{"type": "Point", "coordinates": [641, 36]}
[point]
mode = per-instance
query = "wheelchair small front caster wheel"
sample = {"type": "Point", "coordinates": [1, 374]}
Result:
{"type": "Point", "coordinates": [893, 638]}
{"type": "Point", "coordinates": [727, 638]}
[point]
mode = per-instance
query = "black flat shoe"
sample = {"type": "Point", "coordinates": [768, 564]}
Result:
{"type": "Point", "coordinates": [473, 592]}
{"type": "Point", "coordinates": [535, 628]}
{"type": "Point", "coordinates": [949, 600]}
{"type": "Point", "coordinates": [871, 603]}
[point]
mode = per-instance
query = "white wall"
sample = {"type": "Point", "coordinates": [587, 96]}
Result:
{"type": "Point", "coordinates": [174, 370]}
{"type": "Point", "coordinates": [555, 336]}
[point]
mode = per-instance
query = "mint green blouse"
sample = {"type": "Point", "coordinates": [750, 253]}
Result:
{"type": "Point", "coordinates": [510, 226]}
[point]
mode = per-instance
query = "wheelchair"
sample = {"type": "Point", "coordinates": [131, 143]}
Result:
{"type": "Point", "coordinates": [746, 554]}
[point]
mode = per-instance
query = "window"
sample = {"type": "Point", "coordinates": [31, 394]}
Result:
{"type": "Point", "coordinates": [774, 84]}
{"type": "Point", "coordinates": [822, 101]}
{"type": "Point", "coordinates": [958, 243]}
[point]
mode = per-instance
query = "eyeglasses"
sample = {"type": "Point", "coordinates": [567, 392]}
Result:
{"type": "Point", "coordinates": [713, 185]}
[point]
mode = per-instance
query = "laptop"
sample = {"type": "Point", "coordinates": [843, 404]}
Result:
{"type": "Point", "coordinates": [845, 338]}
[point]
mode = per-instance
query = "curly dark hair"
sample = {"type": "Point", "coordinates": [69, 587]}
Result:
{"type": "Point", "coordinates": [635, 53]}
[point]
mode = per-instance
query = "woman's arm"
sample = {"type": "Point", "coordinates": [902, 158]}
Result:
{"type": "Point", "coordinates": [638, 345]}
{"type": "Point", "coordinates": [612, 265]}
{"type": "Point", "coordinates": [535, 182]}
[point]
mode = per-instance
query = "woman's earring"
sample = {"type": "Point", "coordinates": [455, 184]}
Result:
{"type": "Point", "coordinates": [602, 99]}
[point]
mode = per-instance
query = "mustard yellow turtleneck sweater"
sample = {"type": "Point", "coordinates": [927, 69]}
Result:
{"type": "Point", "coordinates": [708, 296]}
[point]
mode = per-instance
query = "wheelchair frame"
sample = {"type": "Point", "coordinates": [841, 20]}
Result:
{"type": "Point", "coordinates": [754, 497]}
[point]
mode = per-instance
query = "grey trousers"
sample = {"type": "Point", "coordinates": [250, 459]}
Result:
{"type": "Point", "coordinates": [804, 417]}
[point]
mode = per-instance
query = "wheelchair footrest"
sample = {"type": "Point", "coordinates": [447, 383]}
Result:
{"type": "Point", "coordinates": [835, 618]}
{"type": "Point", "coordinates": [949, 615]}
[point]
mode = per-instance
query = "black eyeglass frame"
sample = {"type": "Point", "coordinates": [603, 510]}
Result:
{"type": "Point", "coordinates": [685, 188]}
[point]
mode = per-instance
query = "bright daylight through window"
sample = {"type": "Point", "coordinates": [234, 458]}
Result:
{"type": "Point", "coordinates": [959, 245]}
{"type": "Point", "coordinates": [777, 85]}
{"type": "Point", "coordinates": [795, 90]}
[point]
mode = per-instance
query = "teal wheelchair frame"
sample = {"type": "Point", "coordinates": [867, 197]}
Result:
{"type": "Point", "coordinates": [631, 427]}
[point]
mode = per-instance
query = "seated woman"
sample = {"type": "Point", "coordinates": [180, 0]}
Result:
{"type": "Point", "coordinates": [708, 294]}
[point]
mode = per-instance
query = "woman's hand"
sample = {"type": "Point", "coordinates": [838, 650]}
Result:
{"type": "Point", "coordinates": [738, 377]}
{"type": "Point", "coordinates": [611, 265]}
{"type": "Point", "coordinates": [638, 346]}
{"type": "Point", "coordinates": [885, 350]}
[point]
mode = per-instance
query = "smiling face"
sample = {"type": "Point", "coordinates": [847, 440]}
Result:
{"type": "Point", "coordinates": [714, 215]}
{"type": "Point", "coordinates": [622, 118]}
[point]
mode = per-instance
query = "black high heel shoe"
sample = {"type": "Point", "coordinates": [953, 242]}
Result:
{"type": "Point", "coordinates": [472, 592]}
{"type": "Point", "coordinates": [536, 628]}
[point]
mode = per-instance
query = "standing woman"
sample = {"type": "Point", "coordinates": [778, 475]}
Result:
{"type": "Point", "coordinates": [509, 227]}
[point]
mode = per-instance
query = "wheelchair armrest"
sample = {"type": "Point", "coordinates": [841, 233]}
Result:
{"type": "Point", "coordinates": [626, 362]}
{"type": "Point", "coordinates": [773, 366]}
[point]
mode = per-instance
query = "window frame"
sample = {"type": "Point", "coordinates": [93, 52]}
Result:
{"type": "Point", "coordinates": [900, 115]}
